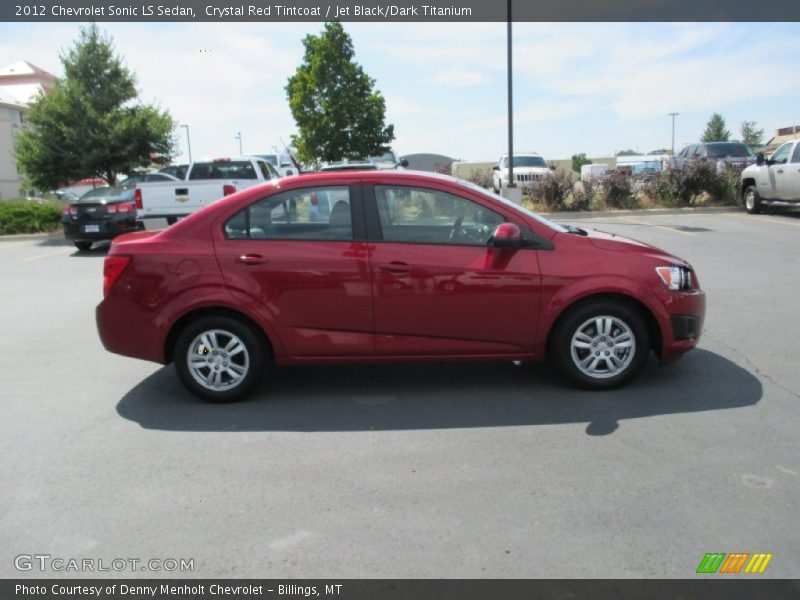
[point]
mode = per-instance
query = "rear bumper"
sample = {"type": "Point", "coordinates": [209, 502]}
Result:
{"type": "Point", "coordinates": [83, 231]}
{"type": "Point", "coordinates": [124, 329]}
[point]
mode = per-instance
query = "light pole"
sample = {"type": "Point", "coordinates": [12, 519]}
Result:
{"type": "Point", "coordinates": [239, 137]}
{"type": "Point", "coordinates": [511, 183]}
{"type": "Point", "coordinates": [188, 141]}
{"type": "Point", "coordinates": [673, 115]}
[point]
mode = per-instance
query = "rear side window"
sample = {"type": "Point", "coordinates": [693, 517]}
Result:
{"type": "Point", "coordinates": [321, 213]}
{"type": "Point", "coordinates": [796, 155]}
{"type": "Point", "coordinates": [230, 169]}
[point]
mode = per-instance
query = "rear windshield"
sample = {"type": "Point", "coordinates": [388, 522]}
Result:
{"type": "Point", "coordinates": [232, 169]}
{"type": "Point", "coordinates": [108, 194]}
{"type": "Point", "coordinates": [723, 150]}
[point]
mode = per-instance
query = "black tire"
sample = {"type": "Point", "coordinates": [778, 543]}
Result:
{"type": "Point", "coordinates": [252, 361]}
{"type": "Point", "coordinates": [172, 220]}
{"type": "Point", "coordinates": [83, 246]}
{"type": "Point", "coordinates": [622, 317]}
{"type": "Point", "coordinates": [751, 200]}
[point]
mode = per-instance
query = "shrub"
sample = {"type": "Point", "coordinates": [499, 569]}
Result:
{"type": "Point", "coordinates": [24, 216]}
{"type": "Point", "coordinates": [685, 186]}
{"type": "Point", "coordinates": [553, 190]}
{"type": "Point", "coordinates": [618, 191]}
{"type": "Point", "coordinates": [583, 195]}
{"type": "Point", "coordinates": [480, 177]}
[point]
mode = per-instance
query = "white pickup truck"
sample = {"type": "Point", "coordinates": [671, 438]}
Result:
{"type": "Point", "coordinates": [774, 181]}
{"type": "Point", "coordinates": [206, 181]}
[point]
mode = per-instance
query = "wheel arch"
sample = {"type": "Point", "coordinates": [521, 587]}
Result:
{"type": "Point", "coordinates": [746, 183]}
{"type": "Point", "coordinates": [653, 328]}
{"type": "Point", "coordinates": [209, 311]}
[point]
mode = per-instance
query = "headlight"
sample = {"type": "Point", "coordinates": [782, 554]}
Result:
{"type": "Point", "coordinates": [678, 279]}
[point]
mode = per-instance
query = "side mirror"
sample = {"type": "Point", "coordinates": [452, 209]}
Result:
{"type": "Point", "coordinates": [760, 160]}
{"type": "Point", "coordinates": [507, 235]}
{"type": "Point", "coordinates": [403, 163]}
{"type": "Point", "coordinates": [495, 168]}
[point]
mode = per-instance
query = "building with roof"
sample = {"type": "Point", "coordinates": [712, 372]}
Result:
{"type": "Point", "coordinates": [20, 84]}
{"type": "Point", "coordinates": [782, 135]}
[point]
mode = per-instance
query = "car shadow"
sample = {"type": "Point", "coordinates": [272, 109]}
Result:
{"type": "Point", "coordinates": [442, 396]}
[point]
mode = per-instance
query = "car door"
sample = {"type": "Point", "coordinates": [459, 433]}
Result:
{"type": "Point", "coordinates": [307, 273]}
{"type": "Point", "coordinates": [791, 179]}
{"type": "Point", "coordinates": [773, 185]}
{"type": "Point", "coordinates": [439, 286]}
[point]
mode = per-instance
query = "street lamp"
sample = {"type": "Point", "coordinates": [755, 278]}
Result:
{"type": "Point", "coordinates": [673, 115]}
{"type": "Point", "coordinates": [511, 183]}
{"type": "Point", "coordinates": [188, 141]}
{"type": "Point", "coordinates": [239, 137]}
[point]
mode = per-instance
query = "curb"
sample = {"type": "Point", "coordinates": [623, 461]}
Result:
{"type": "Point", "coordinates": [642, 211]}
{"type": "Point", "coordinates": [25, 237]}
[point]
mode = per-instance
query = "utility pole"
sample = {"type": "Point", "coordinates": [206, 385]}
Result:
{"type": "Point", "coordinates": [188, 141]}
{"type": "Point", "coordinates": [673, 115]}
{"type": "Point", "coordinates": [238, 136]}
{"type": "Point", "coordinates": [511, 183]}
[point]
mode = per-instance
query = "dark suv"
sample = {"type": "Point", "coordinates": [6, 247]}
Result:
{"type": "Point", "coordinates": [724, 154]}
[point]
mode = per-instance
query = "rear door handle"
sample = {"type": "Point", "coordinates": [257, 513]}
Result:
{"type": "Point", "coordinates": [251, 259]}
{"type": "Point", "coordinates": [396, 267]}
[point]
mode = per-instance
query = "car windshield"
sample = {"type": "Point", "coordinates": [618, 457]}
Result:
{"type": "Point", "coordinates": [517, 207]}
{"type": "Point", "coordinates": [108, 194]}
{"type": "Point", "coordinates": [385, 157]}
{"type": "Point", "coordinates": [526, 161]}
{"type": "Point", "coordinates": [733, 150]}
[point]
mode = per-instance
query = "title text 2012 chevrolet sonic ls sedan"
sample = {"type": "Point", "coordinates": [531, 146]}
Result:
{"type": "Point", "coordinates": [387, 266]}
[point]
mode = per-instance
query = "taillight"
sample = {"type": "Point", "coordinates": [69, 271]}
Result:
{"type": "Point", "coordinates": [66, 210]}
{"type": "Point", "coordinates": [124, 207]}
{"type": "Point", "coordinates": [228, 189]}
{"type": "Point", "coordinates": [113, 267]}
{"type": "Point", "coordinates": [137, 198]}
{"type": "Point", "coordinates": [111, 208]}
{"type": "Point", "coordinates": [73, 210]}
{"type": "Point", "coordinates": [314, 199]}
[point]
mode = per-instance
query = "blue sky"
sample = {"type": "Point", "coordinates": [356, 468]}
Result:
{"type": "Point", "coordinates": [592, 87]}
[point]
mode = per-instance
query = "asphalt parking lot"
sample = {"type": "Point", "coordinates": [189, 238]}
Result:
{"type": "Point", "coordinates": [475, 470]}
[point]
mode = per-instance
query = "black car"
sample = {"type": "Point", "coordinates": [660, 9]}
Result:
{"type": "Point", "coordinates": [723, 154]}
{"type": "Point", "coordinates": [101, 214]}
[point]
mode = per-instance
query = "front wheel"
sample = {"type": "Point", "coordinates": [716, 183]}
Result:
{"type": "Point", "coordinates": [601, 345]}
{"type": "Point", "coordinates": [752, 201]}
{"type": "Point", "coordinates": [219, 359]}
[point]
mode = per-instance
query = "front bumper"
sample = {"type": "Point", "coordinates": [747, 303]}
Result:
{"type": "Point", "coordinates": [682, 328]}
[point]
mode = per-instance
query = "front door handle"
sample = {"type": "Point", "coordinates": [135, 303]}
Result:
{"type": "Point", "coordinates": [780, 171]}
{"type": "Point", "coordinates": [251, 259]}
{"type": "Point", "coordinates": [396, 267]}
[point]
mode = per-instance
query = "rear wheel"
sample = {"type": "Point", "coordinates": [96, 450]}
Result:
{"type": "Point", "coordinates": [83, 246]}
{"type": "Point", "coordinates": [601, 344]}
{"type": "Point", "coordinates": [752, 201]}
{"type": "Point", "coordinates": [219, 359]}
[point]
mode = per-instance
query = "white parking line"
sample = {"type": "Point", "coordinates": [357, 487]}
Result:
{"type": "Point", "coordinates": [55, 252]}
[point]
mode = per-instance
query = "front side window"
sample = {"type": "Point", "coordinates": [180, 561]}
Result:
{"type": "Point", "coordinates": [796, 155]}
{"type": "Point", "coordinates": [321, 213]}
{"type": "Point", "coordinates": [781, 155]}
{"type": "Point", "coordinates": [425, 216]}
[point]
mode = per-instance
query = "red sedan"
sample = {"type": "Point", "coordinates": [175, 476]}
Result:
{"type": "Point", "coordinates": [388, 266]}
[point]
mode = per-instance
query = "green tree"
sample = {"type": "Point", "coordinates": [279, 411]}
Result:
{"type": "Point", "coordinates": [578, 160]}
{"type": "Point", "coordinates": [628, 152]}
{"type": "Point", "coordinates": [339, 114]}
{"type": "Point", "coordinates": [715, 130]}
{"type": "Point", "coordinates": [89, 125]}
{"type": "Point", "coordinates": [750, 135]}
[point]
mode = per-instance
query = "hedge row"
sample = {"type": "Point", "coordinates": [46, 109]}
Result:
{"type": "Point", "coordinates": [24, 216]}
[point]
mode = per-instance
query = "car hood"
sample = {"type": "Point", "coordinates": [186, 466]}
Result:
{"type": "Point", "coordinates": [617, 243]}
